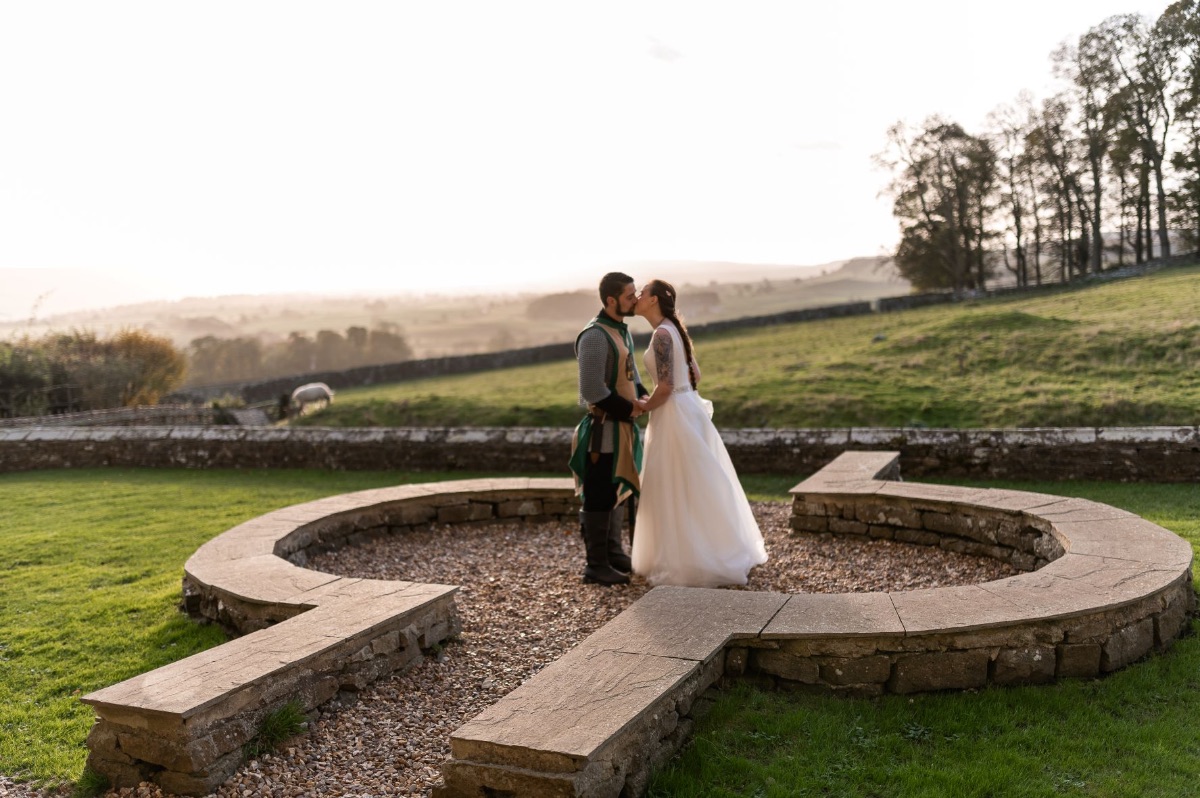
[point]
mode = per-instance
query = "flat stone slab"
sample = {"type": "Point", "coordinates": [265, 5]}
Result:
{"type": "Point", "coordinates": [854, 471]}
{"type": "Point", "coordinates": [689, 623]}
{"type": "Point", "coordinates": [954, 609]}
{"type": "Point", "coordinates": [189, 686]}
{"type": "Point", "coordinates": [263, 579]}
{"type": "Point", "coordinates": [835, 615]}
{"type": "Point", "coordinates": [1133, 539]}
{"type": "Point", "coordinates": [570, 710]}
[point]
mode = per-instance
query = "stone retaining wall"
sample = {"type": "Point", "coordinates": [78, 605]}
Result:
{"type": "Point", "coordinates": [1150, 454]}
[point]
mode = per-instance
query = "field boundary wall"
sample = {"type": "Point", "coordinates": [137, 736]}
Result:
{"type": "Point", "coordinates": [1125, 454]}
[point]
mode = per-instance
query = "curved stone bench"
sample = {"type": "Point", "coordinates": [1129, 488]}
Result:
{"type": "Point", "coordinates": [306, 636]}
{"type": "Point", "coordinates": [1111, 588]}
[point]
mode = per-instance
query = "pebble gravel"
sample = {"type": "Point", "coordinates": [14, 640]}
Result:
{"type": "Point", "coordinates": [522, 606]}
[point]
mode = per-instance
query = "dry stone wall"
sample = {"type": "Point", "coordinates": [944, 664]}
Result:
{"type": "Point", "coordinates": [143, 415]}
{"type": "Point", "coordinates": [1148, 454]}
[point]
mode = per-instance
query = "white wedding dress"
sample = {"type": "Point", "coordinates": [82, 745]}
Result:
{"type": "Point", "coordinates": [694, 524]}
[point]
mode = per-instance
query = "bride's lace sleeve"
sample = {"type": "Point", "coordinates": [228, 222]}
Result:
{"type": "Point", "coordinates": [661, 344]}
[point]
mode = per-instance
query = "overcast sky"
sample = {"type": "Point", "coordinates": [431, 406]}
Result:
{"type": "Point", "coordinates": [360, 146]}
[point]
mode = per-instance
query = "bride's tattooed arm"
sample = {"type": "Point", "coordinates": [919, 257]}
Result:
{"type": "Point", "coordinates": [662, 356]}
{"type": "Point", "coordinates": [660, 344]}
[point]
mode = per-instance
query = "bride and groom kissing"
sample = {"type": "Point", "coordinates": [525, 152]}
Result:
{"type": "Point", "coordinates": [694, 524]}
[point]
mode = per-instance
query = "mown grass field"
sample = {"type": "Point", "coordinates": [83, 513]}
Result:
{"type": "Point", "coordinates": [1125, 353]}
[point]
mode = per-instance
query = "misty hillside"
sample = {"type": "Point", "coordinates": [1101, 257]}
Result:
{"type": "Point", "coordinates": [449, 325]}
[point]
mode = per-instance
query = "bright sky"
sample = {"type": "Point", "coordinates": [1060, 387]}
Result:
{"type": "Point", "coordinates": [229, 147]}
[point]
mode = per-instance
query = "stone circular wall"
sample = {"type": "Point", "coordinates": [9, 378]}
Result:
{"type": "Point", "coordinates": [1100, 589]}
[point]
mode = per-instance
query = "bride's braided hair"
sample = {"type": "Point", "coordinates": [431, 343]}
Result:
{"type": "Point", "coordinates": [666, 304]}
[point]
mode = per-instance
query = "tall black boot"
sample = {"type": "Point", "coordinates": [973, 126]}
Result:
{"type": "Point", "coordinates": [617, 557]}
{"type": "Point", "coordinates": [595, 527]}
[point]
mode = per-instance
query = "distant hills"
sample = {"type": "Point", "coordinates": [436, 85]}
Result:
{"type": "Point", "coordinates": [445, 325]}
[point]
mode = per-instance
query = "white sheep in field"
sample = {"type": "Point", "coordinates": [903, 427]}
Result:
{"type": "Point", "coordinates": [311, 393]}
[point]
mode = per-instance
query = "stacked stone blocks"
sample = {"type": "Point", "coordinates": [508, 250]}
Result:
{"type": "Point", "coordinates": [1099, 589]}
{"type": "Point", "coordinates": [1151, 454]}
{"type": "Point", "coordinates": [304, 636]}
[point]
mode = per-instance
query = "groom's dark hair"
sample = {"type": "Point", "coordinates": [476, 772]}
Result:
{"type": "Point", "coordinates": [613, 284]}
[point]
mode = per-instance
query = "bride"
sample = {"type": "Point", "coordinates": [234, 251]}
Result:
{"type": "Point", "coordinates": [694, 524]}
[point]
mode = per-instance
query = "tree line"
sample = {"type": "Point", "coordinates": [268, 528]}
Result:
{"type": "Point", "coordinates": [217, 360]}
{"type": "Point", "coordinates": [1096, 176]}
{"type": "Point", "coordinates": [82, 370]}
{"type": "Point", "coordinates": [79, 370]}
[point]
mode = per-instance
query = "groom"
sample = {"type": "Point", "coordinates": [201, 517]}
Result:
{"type": "Point", "coordinates": [606, 450]}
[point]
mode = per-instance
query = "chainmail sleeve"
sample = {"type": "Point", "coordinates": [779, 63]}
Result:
{"type": "Point", "coordinates": [594, 353]}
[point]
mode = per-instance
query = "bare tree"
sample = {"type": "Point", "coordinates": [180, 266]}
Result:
{"type": "Point", "coordinates": [1098, 94]}
{"type": "Point", "coordinates": [1011, 126]}
{"type": "Point", "coordinates": [1056, 148]}
{"type": "Point", "coordinates": [1146, 59]}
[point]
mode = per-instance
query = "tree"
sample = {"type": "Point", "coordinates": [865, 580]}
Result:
{"type": "Point", "coordinates": [25, 379]}
{"type": "Point", "coordinates": [154, 367]}
{"type": "Point", "coordinates": [1094, 68]}
{"type": "Point", "coordinates": [212, 359]}
{"type": "Point", "coordinates": [944, 192]}
{"type": "Point", "coordinates": [1130, 179]}
{"type": "Point", "coordinates": [1019, 202]}
{"type": "Point", "coordinates": [1055, 149]}
{"type": "Point", "coordinates": [80, 370]}
{"type": "Point", "coordinates": [387, 344]}
{"type": "Point", "coordinates": [331, 351]}
{"type": "Point", "coordinates": [1178, 31]}
{"type": "Point", "coordinates": [1136, 64]}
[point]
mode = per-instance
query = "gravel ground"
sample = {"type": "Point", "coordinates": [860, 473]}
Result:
{"type": "Point", "coordinates": [522, 606]}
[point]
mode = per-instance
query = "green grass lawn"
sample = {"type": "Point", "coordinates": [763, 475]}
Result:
{"type": "Point", "coordinates": [90, 587]}
{"type": "Point", "coordinates": [1125, 353]}
{"type": "Point", "coordinates": [1133, 733]}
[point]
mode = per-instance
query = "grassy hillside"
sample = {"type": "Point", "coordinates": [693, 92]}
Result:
{"type": "Point", "coordinates": [1118, 354]}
